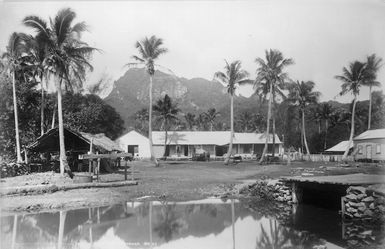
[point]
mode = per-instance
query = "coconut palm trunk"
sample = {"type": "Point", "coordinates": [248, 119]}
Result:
{"type": "Point", "coordinates": [42, 109]}
{"type": "Point", "coordinates": [326, 132]}
{"type": "Point", "coordinates": [63, 157]}
{"type": "Point", "coordinates": [370, 107]}
{"type": "Point", "coordinates": [54, 116]}
{"type": "Point", "coordinates": [153, 158]}
{"type": "Point", "coordinates": [18, 151]}
{"type": "Point", "coordinates": [304, 132]}
{"type": "Point", "coordinates": [273, 126]}
{"type": "Point", "coordinates": [351, 129]}
{"type": "Point", "coordinates": [230, 150]}
{"type": "Point", "coordinates": [165, 143]}
{"type": "Point", "coordinates": [268, 124]}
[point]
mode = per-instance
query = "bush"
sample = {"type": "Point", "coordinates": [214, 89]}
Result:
{"type": "Point", "coordinates": [13, 169]}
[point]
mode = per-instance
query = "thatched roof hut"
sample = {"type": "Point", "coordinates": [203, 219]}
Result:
{"type": "Point", "coordinates": [74, 141]}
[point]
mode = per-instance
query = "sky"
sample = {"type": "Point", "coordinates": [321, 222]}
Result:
{"type": "Point", "coordinates": [322, 36]}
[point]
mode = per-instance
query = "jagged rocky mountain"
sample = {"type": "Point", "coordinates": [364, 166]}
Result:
{"type": "Point", "coordinates": [130, 94]}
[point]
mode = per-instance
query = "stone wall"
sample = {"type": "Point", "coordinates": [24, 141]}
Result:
{"type": "Point", "coordinates": [362, 203]}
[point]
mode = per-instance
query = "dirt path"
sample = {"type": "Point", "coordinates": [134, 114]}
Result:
{"type": "Point", "coordinates": [174, 181]}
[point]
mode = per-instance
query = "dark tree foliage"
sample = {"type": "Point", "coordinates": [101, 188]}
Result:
{"type": "Point", "coordinates": [87, 113]}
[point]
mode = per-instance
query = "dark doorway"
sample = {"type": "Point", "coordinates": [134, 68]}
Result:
{"type": "Point", "coordinates": [186, 150]}
{"type": "Point", "coordinates": [133, 149]}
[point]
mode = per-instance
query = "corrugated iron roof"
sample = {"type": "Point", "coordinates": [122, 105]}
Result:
{"type": "Point", "coordinates": [370, 134]}
{"type": "Point", "coordinates": [210, 138]}
{"type": "Point", "coordinates": [340, 147]}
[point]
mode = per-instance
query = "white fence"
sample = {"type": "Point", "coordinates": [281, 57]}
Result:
{"type": "Point", "coordinates": [318, 158]}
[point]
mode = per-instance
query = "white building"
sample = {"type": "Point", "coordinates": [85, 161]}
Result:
{"type": "Point", "coordinates": [186, 143]}
{"type": "Point", "coordinates": [370, 145]}
{"type": "Point", "coordinates": [135, 143]}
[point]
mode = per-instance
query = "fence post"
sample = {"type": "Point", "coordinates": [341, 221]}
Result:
{"type": "Point", "coordinates": [125, 169]}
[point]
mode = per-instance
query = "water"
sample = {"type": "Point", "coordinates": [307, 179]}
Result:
{"type": "Point", "coordinates": [211, 223]}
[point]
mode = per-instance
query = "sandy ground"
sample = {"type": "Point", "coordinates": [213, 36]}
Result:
{"type": "Point", "coordinates": [172, 180]}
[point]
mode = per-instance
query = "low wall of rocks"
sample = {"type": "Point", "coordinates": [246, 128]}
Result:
{"type": "Point", "coordinates": [272, 190]}
{"type": "Point", "coordinates": [362, 203]}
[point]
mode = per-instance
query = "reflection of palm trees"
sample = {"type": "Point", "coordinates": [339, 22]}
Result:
{"type": "Point", "coordinates": [275, 239]}
{"type": "Point", "coordinates": [169, 222]}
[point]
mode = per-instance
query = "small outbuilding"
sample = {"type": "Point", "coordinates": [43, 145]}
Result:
{"type": "Point", "coordinates": [339, 149]}
{"type": "Point", "coordinates": [370, 145]}
{"type": "Point", "coordinates": [135, 143]}
{"type": "Point", "coordinates": [46, 147]}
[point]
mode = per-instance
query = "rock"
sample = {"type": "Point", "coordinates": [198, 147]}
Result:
{"type": "Point", "coordinates": [368, 213]}
{"type": "Point", "coordinates": [381, 208]}
{"type": "Point", "coordinates": [371, 206]}
{"type": "Point", "coordinates": [362, 209]}
{"type": "Point", "coordinates": [367, 232]}
{"type": "Point", "coordinates": [356, 204]}
{"type": "Point", "coordinates": [360, 196]}
{"type": "Point", "coordinates": [357, 215]}
{"type": "Point", "coordinates": [351, 210]}
{"type": "Point", "coordinates": [351, 197]}
{"type": "Point", "coordinates": [307, 174]}
{"type": "Point", "coordinates": [356, 190]}
{"type": "Point", "coordinates": [368, 199]}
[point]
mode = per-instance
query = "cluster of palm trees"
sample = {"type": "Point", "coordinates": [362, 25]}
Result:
{"type": "Point", "coordinates": [359, 74]}
{"type": "Point", "coordinates": [54, 52]}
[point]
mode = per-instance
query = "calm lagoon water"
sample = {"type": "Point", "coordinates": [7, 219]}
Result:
{"type": "Point", "coordinates": [210, 223]}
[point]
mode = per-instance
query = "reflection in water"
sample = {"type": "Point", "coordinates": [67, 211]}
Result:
{"type": "Point", "coordinates": [201, 224]}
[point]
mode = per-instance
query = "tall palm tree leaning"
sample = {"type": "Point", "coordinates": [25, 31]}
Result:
{"type": "Point", "coordinates": [67, 59]}
{"type": "Point", "coordinates": [149, 50]}
{"type": "Point", "coordinates": [271, 72]}
{"type": "Point", "coordinates": [352, 79]}
{"type": "Point", "coordinates": [15, 50]}
{"type": "Point", "coordinates": [232, 77]}
{"type": "Point", "coordinates": [301, 94]}
{"type": "Point", "coordinates": [373, 64]}
{"type": "Point", "coordinates": [166, 111]}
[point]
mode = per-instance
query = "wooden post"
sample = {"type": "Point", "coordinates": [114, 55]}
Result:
{"type": "Point", "coordinates": [97, 167]}
{"type": "Point", "coordinates": [294, 192]}
{"type": "Point", "coordinates": [125, 169]}
{"type": "Point", "coordinates": [89, 160]}
{"type": "Point", "coordinates": [132, 172]}
{"type": "Point", "coordinates": [14, 232]}
{"type": "Point", "coordinates": [343, 207]}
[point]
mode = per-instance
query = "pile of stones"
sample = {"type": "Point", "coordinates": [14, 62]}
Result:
{"type": "Point", "coordinates": [362, 204]}
{"type": "Point", "coordinates": [282, 193]}
{"type": "Point", "coordinates": [272, 190]}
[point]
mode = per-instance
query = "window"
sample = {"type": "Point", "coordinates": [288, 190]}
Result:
{"type": "Point", "coordinates": [378, 148]}
{"type": "Point", "coordinates": [360, 149]}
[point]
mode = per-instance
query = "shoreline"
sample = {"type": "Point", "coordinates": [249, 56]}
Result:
{"type": "Point", "coordinates": [171, 181]}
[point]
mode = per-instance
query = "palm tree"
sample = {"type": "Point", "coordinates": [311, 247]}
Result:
{"type": "Point", "coordinates": [373, 64]}
{"type": "Point", "coordinates": [68, 58]}
{"type": "Point", "coordinates": [211, 115]}
{"type": "Point", "coordinates": [149, 50]}
{"type": "Point", "coordinates": [352, 79]}
{"type": "Point", "coordinates": [39, 54]}
{"type": "Point", "coordinates": [270, 73]}
{"type": "Point", "coordinates": [190, 120]}
{"type": "Point", "coordinates": [325, 113]}
{"type": "Point", "coordinates": [245, 121]}
{"type": "Point", "coordinates": [15, 51]}
{"type": "Point", "coordinates": [301, 94]}
{"type": "Point", "coordinates": [232, 77]}
{"type": "Point", "coordinates": [166, 112]}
